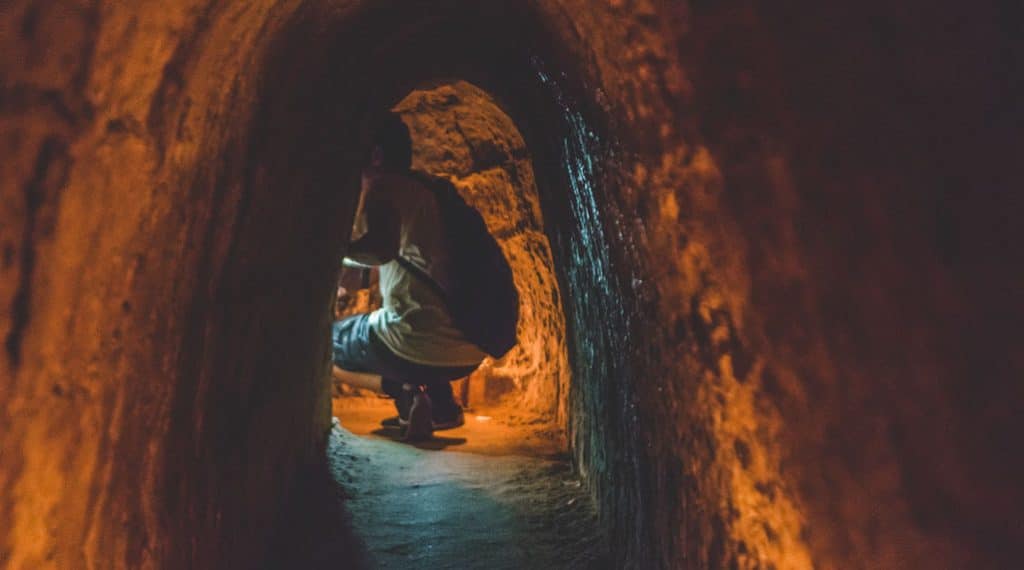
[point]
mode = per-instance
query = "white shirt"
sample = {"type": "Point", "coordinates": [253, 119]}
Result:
{"type": "Point", "coordinates": [413, 321]}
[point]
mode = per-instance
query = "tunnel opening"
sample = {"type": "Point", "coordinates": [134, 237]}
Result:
{"type": "Point", "coordinates": [375, 57]}
{"type": "Point", "coordinates": [559, 126]}
{"type": "Point", "coordinates": [459, 132]}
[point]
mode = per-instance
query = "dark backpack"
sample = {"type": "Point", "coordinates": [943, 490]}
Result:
{"type": "Point", "coordinates": [481, 296]}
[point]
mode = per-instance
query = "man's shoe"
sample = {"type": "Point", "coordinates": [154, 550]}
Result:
{"type": "Point", "coordinates": [394, 422]}
{"type": "Point", "coordinates": [450, 422]}
{"type": "Point", "coordinates": [420, 426]}
{"type": "Point", "coordinates": [403, 401]}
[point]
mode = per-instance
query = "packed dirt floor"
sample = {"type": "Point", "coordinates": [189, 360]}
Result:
{"type": "Point", "coordinates": [492, 494]}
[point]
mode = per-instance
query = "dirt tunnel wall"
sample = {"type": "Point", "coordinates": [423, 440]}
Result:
{"type": "Point", "coordinates": [784, 235]}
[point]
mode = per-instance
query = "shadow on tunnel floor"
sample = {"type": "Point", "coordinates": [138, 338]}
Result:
{"type": "Point", "coordinates": [435, 443]}
{"type": "Point", "coordinates": [318, 528]}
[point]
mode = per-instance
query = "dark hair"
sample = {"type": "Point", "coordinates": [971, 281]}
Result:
{"type": "Point", "coordinates": [388, 131]}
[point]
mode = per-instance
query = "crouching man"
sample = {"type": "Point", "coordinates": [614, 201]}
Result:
{"type": "Point", "coordinates": [410, 348]}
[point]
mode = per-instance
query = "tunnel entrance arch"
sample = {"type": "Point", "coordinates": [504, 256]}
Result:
{"type": "Point", "coordinates": [460, 133]}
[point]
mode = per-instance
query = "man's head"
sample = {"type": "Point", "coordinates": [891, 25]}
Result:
{"type": "Point", "coordinates": [390, 146]}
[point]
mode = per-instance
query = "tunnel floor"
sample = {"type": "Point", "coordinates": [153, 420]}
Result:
{"type": "Point", "coordinates": [471, 498]}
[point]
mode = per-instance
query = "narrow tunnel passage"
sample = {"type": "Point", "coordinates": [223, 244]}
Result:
{"type": "Point", "coordinates": [784, 240]}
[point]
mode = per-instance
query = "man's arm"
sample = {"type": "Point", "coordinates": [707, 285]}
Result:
{"type": "Point", "coordinates": [379, 244]}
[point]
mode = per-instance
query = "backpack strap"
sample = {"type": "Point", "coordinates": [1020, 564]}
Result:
{"type": "Point", "coordinates": [429, 182]}
{"type": "Point", "coordinates": [424, 277]}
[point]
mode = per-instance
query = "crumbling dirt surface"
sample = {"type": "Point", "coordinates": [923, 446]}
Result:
{"type": "Point", "coordinates": [445, 504]}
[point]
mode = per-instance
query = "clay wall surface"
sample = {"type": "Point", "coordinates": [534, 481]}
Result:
{"type": "Point", "coordinates": [459, 132]}
{"type": "Point", "coordinates": [158, 399]}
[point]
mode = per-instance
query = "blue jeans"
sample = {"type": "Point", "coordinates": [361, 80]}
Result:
{"type": "Point", "coordinates": [357, 349]}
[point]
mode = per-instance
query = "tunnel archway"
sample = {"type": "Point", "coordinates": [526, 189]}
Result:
{"type": "Point", "coordinates": [417, 44]}
{"type": "Point", "coordinates": [460, 133]}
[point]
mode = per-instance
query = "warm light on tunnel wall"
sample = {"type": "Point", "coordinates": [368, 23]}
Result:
{"type": "Point", "coordinates": [461, 133]}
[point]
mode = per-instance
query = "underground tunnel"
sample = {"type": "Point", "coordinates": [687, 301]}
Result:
{"type": "Point", "coordinates": [774, 249]}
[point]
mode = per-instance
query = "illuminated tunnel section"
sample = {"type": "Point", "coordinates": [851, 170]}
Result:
{"type": "Point", "coordinates": [461, 133]}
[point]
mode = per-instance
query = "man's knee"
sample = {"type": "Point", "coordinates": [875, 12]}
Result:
{"type": "Point", "coordinates": [350, 339]}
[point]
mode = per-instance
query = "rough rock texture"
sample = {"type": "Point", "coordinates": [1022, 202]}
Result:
{"type": "Point", "coordinates": [157, 397]}
{"type": "Point", "coordinates": [459, 132]}
{"type": "Point", "coordinates": [785, 237]}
